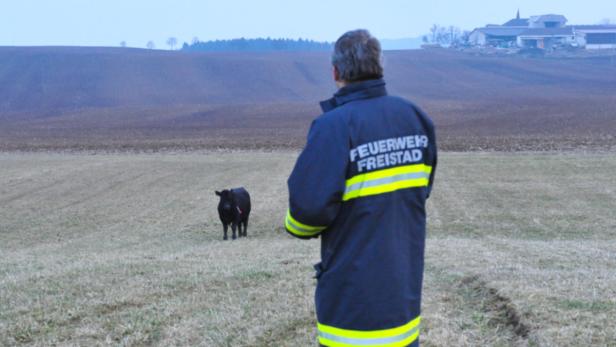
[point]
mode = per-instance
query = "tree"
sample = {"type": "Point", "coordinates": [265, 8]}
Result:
{"type": "Point", "coordinates": [150, 45]}
{"type": "Point", "coordinates": [123, 44]}
{"type": "Point", "coordinates": [172, 42]}
{"type": "Point", "coordinates": [434, 33]}
{"type": "Point", "coordinates": [465, 38]}
{"type": "Point", "coordinates": [425, 39]}
{"type": "Point", "coordinates": [455, 36]}
{"type": "Point", "coordinates": [442, 36]}
{"type": "Point", "coordinates": [195, 40]}
{"type": "Point", "coordinates": [446, 36]}
{"type": "Point", "coordinates": [606, 21]}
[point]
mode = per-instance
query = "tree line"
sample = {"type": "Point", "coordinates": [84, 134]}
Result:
{"type": "Point", "coordinates": [441, 35]}
{"type": "Point", "coordinates": [257, 45]}
{"type": "Point", "coordinates": [242, 44]}
{"type": "Point", "coordinates": [447, 36]}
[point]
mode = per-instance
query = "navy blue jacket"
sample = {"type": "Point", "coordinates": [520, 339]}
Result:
{"type": "Point", "coordinates": [361, 183]}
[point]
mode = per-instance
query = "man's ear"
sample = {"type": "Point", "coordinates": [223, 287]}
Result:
{"type": "Point", "coordinates": [218, 193]}
{"type": "Point", "coordinates": [336, 73]}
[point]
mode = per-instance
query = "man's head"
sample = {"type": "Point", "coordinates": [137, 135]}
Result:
{"type": "Point", "coordinates": [357, 57]}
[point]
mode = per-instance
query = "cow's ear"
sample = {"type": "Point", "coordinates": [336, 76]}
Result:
{"type": "Point", "coordinates": [218, 193]}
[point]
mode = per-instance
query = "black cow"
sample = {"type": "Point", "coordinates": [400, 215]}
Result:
{"type": "Point", "coordinates": [234, 209]}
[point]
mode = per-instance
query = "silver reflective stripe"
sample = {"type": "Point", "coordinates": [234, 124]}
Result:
{"type": "Point", "coordinates": [386, 180]}
{"type": "Point", "coordinates": [371, 341]}
{"type": "Point", "coordinates": [304, 230]}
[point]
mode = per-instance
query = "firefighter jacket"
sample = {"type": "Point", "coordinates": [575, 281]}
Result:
{"type": "Point", "coordinates": [361, 184]}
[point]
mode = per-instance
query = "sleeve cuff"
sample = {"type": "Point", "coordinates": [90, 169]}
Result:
{"type": "Point", "coordinates": [301, 230]}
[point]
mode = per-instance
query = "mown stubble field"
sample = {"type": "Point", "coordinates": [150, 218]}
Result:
{"type": "Point", "coordinates": [126, 249]}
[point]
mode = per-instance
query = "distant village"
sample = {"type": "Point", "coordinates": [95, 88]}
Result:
{"type": "Point", "coordinates": [544, 32]}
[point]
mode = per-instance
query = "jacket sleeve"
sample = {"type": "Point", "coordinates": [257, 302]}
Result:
{"type": "Point", "coordinates": [317, 182]}
{"type": "Point", "coordinates": [432, 159]}
{"type": "Point", "coordinates": [431, 154]}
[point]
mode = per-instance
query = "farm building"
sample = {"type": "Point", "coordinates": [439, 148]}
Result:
{"type": "Point", "coordinates": [547, 21]}
{"type": "Point", "coordinates": [544, 32]}
{"type": "Point", "coordinates": [496, 36]}
{"type": "Point", "coordinates": [518, 22]}
{"type": "Point", "coordinates": [546, 37]}
{"type": "Point", "coordinates": [505, 35]}
{"type": "Point", "coordinates": [596, 36]}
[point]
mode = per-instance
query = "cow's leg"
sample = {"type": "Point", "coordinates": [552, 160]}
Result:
{"type": "Point", "coordinates": [240, 229]}
{"type": "Point", "coordinates": [246, 227]}
{"type": "Point", "coordinates": [225, 226]}
{"type": "Point", "coordinates": [233, 227]}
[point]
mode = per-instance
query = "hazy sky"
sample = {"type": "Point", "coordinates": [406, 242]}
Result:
{"type": "Point", "coordinates": [107, 22]}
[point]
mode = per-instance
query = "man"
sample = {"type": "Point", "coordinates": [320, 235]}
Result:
{"type": "Point", "coordinates": [361, 183]}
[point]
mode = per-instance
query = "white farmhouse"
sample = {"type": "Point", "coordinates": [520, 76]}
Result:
{"type": "Point", "coordinates": [544, 32]}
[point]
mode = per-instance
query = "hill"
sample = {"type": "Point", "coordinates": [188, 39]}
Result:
{"type": "Point", "coordinates": [119, 98]}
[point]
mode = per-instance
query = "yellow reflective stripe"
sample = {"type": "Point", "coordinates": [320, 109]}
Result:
{"type": "Point", "coordinates": [301, 225]}
{"type": "Point", "coordinates": [301, 229]}
{"type": "Point", "coordinates": [403, 343]}
{"type": "Point", "coordinates": [394, 337]}
{"type": "Point", "coordinates": [386, 188]}
{"type": "Point", "coordinates": [362, 334]}
{"type": "Point", "coordinates": [298, 232]}
{"type": "Point", "coordinates": [375, 175]}
{"type": "Point", "coordinates": [388, 180]}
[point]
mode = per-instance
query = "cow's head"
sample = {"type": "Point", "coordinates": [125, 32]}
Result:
{"type": "Point", "coordinates": [226, 199]}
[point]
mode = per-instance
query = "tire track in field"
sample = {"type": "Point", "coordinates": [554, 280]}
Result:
{"type": "Point", "coordinates": [500, 310]}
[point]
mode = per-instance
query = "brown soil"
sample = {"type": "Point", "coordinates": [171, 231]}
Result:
{"type": "Point", "coordinates": [108, 99]}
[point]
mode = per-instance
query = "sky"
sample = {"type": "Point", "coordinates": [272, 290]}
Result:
{"type": "Point", "coordinates": [109, 22]}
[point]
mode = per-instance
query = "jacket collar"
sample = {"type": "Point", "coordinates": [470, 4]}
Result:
{"type": "Point", "coordinates": [355, 91]}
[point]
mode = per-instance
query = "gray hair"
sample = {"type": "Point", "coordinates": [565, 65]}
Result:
{"type": "Point", "coordinates": [358, 57]}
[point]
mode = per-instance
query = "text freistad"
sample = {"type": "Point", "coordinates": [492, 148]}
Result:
{"type": "Point", "coordinates": [389, 152]}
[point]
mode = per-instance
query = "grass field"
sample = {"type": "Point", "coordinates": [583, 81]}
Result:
{"type": "Point", "coordinates": [127, 249]}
